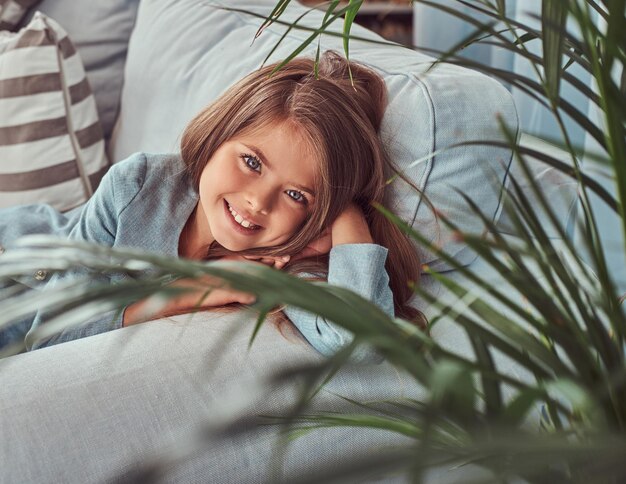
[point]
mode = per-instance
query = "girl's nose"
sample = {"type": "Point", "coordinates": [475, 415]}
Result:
{"type": "Point", "coordinates": [260, 199]}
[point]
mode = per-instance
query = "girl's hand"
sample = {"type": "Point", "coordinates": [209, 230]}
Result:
{"type": "Point", "coordinates": [198, 298]}
{"type": "Point", "coordinates": [319, 246]}
{"type": "Point", "coordinates": [220, 296]}
{"type": "Point", "coordinates": [277, 262]}
{"type": "Point", "coordinates": [351, 227]}
{"type": "Point", "coordinates": [204, 292]}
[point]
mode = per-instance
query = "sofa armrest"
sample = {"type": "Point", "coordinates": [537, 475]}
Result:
{"type": "Point", "coordinates": [92, 409]}
{"type": "Point", "coordinates": [558, 188]}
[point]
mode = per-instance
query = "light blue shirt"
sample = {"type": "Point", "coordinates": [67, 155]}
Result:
{"type": "Point", "coordinates": [143, 202]}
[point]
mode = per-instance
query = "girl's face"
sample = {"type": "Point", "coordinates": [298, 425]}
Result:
{"type": "Point", "coordinates": [257, 189]}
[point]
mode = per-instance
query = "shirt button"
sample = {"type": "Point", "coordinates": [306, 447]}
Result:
{"type": "Point", "coordinates": [41, 275]}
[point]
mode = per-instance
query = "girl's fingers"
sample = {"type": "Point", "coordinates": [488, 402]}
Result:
{"type": "Point", "coordinates": [271, 261]}
{"type": "Point", "coordinates": [239, 296]}
{"type": "Point", "coordinates": [220, 297]}
{"type": "Point", "coordinates": [282, 261]}
{"type": "Point", "coordinates": [246, 298]}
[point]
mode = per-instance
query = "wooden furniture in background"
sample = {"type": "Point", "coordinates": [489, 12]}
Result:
{"type": "Point", "coordinates": [391, 19]}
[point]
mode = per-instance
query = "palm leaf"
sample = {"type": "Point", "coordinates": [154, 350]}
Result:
{"type": "Point", "coordinates": [553, 18]}
{"type": "Point", "coordinates": [351, 12]}
{"type": "Point", "coordinates": [273, 16]}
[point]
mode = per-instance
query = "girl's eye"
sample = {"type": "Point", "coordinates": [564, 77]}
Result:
{"type": "Point", "coordinates": [251, 162]}
{"type": "Point", "coordinates": [297, 196]}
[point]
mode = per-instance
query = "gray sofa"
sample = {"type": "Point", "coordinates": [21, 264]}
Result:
{"type": "Point", "coordinates": [97, 409]}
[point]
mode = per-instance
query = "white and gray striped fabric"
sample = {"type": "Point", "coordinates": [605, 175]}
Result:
{"type": "Point", "coordinates": [51, 142]}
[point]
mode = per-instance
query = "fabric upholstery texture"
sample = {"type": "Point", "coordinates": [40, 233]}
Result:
{"type": "Point", "coordinates": [13, 11]}
{"type": "Point", "coordinates": [113, 393]}
{"type": "Point", "coordinates": [51, 143]}
{"type": "Point", "coordinates": [427, 113]}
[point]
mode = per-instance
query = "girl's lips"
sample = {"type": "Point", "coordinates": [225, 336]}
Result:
{"type": "Point", "coordinates": [239, 228]}
{"type": "Point", "coordinates": [245, 215]}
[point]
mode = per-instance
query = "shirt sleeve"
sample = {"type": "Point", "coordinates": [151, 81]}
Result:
{"type": "Point", "coordinates": [360, 268]}
{"type": "Point", "coordinates": [98, 223]}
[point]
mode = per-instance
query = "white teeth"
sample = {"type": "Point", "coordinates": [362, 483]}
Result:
{"type": "Point", "coordinates": [240, 220]}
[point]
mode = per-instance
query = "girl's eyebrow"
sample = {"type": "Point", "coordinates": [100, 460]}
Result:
{"type": "Point", "coordinates": [258, 151]}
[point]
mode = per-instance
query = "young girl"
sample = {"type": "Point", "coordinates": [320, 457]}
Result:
{"type": "Point", "coordinates": [280, 170]}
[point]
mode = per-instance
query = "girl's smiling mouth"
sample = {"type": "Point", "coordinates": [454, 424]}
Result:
{"type": "Point", "coordinates": [238, 222]}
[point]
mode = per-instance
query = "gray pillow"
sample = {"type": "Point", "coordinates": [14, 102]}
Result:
{"type": "Point", "coordinates": [184, 54]}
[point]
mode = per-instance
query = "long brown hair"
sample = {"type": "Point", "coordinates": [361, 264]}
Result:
{"type": "Point", "coordinates": [341, 118]}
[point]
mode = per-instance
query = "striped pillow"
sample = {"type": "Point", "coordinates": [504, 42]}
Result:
{"type": "Point", "coordinates": [51, 143]}
{"type": "Point", "coordinates": [13, 11]}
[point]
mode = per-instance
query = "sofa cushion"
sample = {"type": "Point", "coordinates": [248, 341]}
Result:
{"type": "Point", "coordinates": [51, 145]}
{"type": "Point", "coordinates": [183, 54]}
{"type": "Point", "coordinates": [100, 30]}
